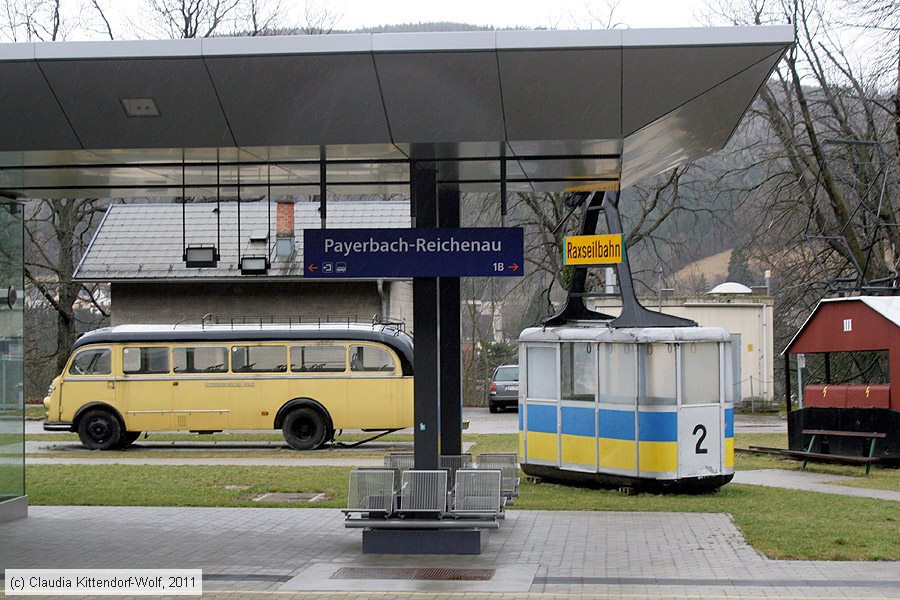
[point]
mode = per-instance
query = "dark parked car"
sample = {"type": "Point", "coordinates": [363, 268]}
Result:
{"type": "Point", "coordinates": [504, 388]}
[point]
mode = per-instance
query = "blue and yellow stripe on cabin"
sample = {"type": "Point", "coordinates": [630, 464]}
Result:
{"type": "Point", "coordinates": [729, 438]}
{"type": "Point", "coordinates": [578, 443]}
{"type": "Point", "coordinates": [542, 433]}
{"type": "Point", "coordinates": [617, 440]}
{"type": "Point", "coordinates": [658, 442]}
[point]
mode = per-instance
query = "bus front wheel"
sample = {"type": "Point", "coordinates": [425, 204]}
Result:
{"type": "Point", "coordinates": [99, 430]}
{"type": "Point", "coordinates": [305, 428]}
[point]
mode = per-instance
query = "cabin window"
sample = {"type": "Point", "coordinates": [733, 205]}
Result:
{"type": "Point", "coordinates": [618, 373]}
{"type": "Point", "coordinates": [541, 372]}
{"type": "Point", "coordinates": [96, 361]}
{"type": "Point", "coordinates": [700, 367]}
{"type": "Point", "coordinates": [370, 358]}
{"type": "Point", "coordinates": [259, 359]}
{"type": "Point", "coordinates": [321, 358]}
{"type": "Point", "coordinates": [145, 361]}
{"type": "Point", "coordinates": [577, 372]}
{"type": "Point", "coordinates": [200, 359]}
{"type": "Point", "coordinates": [660, 374]}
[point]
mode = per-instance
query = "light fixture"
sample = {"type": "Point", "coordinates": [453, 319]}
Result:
{"type": "Point", "coordinates": [140, 107]}
{"type": "Point", "coordinates": [254, 265]}
{"type": "Point", "coordinates": [196, 256]}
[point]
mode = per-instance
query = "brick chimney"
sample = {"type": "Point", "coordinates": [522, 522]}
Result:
{"type": "Point", "coordinates": [284, 229]}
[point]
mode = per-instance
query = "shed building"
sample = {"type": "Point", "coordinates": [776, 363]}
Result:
{"type": "Point", "coordinates": [840, 325]}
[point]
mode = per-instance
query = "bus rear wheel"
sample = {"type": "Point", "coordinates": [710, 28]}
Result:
{"type": "Point", "coordinates": [99, 429]}
{"type": "Point", "coordinates": [128, 438]}
{"type": "Point", "coordinates": [305, 428]}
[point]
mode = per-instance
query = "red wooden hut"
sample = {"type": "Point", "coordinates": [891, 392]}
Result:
{"type": "Point", "coordinates": [862, 323]}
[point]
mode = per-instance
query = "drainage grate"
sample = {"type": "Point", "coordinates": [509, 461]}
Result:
{"type": "Point", "coordinates": [418, 574]}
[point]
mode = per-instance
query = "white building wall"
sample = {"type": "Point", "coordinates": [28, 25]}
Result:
{"type": "Point", "coordinates": [750, 316]}
{"type": "Point", "coordinates": [400, 303]}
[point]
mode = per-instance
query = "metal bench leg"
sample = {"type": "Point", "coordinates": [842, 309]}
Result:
{"type": "Point", "coordinates": [871, 455]}
{"type": "Point", "coordinates": [812, 441]}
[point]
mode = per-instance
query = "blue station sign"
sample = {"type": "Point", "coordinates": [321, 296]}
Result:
{"type": "Point", "coordinates": [399, 253]}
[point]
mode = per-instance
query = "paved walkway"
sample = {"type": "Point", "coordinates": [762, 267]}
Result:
{"type": "Point", "coordinates": [535, 554]}
{"type": "Point", "coordinates": [811, 482]}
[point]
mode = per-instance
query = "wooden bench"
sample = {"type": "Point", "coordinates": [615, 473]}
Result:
{"type": "Point", "coordinates": [867, 460]}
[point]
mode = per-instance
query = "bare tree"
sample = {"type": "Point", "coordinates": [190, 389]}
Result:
{"type": "Point", "coordinates": [814, 160]}
{"type": "Point", "coordinates": [319, 18]}
{"type": "Point", "coordinates": [31, 20]}
{"type": "Point", "coordinates": [56, 235]}
{"type": "Point", "coordinates": [188, 18]}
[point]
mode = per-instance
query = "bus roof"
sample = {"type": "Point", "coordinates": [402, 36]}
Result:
{"type": "Point", "coordinates": [390, 336]}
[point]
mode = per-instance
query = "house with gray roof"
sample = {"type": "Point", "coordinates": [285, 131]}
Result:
{"type": "Point", "coordinates": [139, 249]}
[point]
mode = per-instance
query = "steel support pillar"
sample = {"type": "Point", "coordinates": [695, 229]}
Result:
{"type": "Point", "coordinates": [449, 335]}
{"type": "Point", "coordinates": [426, 391]}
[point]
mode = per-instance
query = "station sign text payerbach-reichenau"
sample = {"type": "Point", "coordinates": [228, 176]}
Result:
{"type": "Point", "coordinates": [401, 253]}
{"type": "Point", "coordinates": [594, 249]}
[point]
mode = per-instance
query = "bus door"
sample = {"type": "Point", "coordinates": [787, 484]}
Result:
{"type": "Point", "coordinates": [374, 389]}
{"type": "Point", "coordinates": [319, 372]}
{"type": "Point", "coordinates": [89, 379]}
{"type": "Point", "coordinates": [258, 385]}
{"type": "Point", "coordinates": [204, 392]}
{"type": "Point", "coordinates": [145, 390]}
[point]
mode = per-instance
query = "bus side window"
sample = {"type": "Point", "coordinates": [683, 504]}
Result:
{"type": "Point", "coordinates": [259, 359]}
{"type": "Point", "coordinates": [321, 358]}
{"type": "Point", "coordinates": [370, 358]}
{"type": "Point", "coordinates": [145, 361]}
{"type": "Point", "coordinates": [200, 359]}
{"type": "Point", "coordinates": [96, 361]}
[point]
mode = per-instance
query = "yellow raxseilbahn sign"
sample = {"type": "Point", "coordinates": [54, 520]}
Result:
{"type": "Point", "coordinates": [594, 249]}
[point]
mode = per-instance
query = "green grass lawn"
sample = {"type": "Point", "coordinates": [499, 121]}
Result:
{"type": "Point", "coordinates": [772, 440]}
{"type": "Point", "coordinates": [880, 479]}
{"type": "Point", "coordinates": [35, 411]}
{"type": "Point", "coordinates": [778, 523]}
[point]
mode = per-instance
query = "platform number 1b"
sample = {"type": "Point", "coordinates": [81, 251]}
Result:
{"type": "Point", "coordinates": [499, 267]}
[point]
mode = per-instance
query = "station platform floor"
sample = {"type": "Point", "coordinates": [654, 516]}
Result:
{"type": "Point", "coordinates": [300, 553]}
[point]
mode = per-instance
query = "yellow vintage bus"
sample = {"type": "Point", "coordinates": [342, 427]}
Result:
{"type": "Point", "coordinates": [308, 380]}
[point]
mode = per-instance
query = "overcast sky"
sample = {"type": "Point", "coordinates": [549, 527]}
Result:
{"type": "Point", "coordinates": [127, 15]}
{"type": "Point", "coordinates": [560, 14]}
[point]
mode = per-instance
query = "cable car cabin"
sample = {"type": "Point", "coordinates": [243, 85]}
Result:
{"type": "Point", "coordinates": [647, 407]}
{"type": "Point", "coordinates": [850, 348]}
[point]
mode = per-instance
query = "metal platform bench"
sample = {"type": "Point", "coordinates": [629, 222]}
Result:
{"type": "Point", "coordinates": [865, 459]}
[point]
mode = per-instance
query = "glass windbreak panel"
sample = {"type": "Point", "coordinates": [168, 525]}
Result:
{"type": "Point", "coordinates": [577, 373]}
{"type": "Point", "coordinates": [200, 359]}
{"type": "Point", "coordinates": [618, 373]}
{"type": "Point", "coordinates": [96, 361]}
{"type": "Point", "coordinates": [145, 361]}
{"type": "Point", "coordinates": [259, 359]}
{"type": "Point", "coordinates": [700, 367]}
{"type": "Point", "coordinates": [660, 374]}
{"type": "Point", "coordinates": [321, 358]}
{"type": "Point", "coordinates": [12, 374]}
{"type": "Point", "coordinates": [541, 372]}
{"type": "Point", "coordinates": [370, 359]}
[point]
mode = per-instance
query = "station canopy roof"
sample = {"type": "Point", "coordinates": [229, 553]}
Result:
{"type": "Point", "coordinates": [597, 109]}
